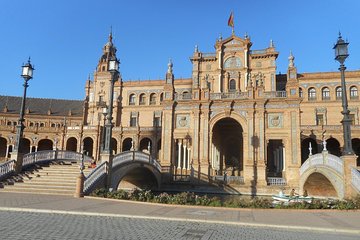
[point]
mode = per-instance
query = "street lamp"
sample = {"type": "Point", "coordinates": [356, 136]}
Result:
{"type": "Point", "coordinates": [104, 112]}
{"type": "Point", "coordinates": [341, 53]}
{"type": "Point", "coordinates": [113, 68]}
{"type": "Point", "coordinates": [27, 74]}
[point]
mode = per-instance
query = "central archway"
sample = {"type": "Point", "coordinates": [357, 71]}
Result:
{"type": "Point", "coordinates": [227, 147]}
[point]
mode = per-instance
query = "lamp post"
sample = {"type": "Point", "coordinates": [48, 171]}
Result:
{"type": "Point", "coordinates": [104, 112]}
{"type": "Point", "coordinates": [27, 74]}
{"type": "Point", "coordinates": [113, 68]}
{"type": "Point", "coordinates": [341, 53]}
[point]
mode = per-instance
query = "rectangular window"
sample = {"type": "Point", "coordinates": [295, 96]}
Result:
{"type": "Point", "coordinates": [133, 121]}
{"type": "Point", "coordinates": [319, 119]}
{"type": "Point", "coordinates": [157, 122]}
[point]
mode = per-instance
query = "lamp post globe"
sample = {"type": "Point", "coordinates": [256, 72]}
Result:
{"type": "Point", "coordinates": [341, 53]}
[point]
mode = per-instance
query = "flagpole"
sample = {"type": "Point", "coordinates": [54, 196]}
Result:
{"type": "Point", "coordinates": [233, 25]}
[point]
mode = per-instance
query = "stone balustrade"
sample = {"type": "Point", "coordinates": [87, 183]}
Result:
{"type": "Point", "coordinates": [7, 168]}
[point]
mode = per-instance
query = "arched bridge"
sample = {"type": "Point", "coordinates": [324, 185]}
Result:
{"type": "Point", "coordinates": [123, 164]}
{"type": "Point", "coordinates": [324, 173]}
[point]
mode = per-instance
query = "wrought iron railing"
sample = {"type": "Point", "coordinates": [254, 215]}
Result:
{"type": "Point", "coordinates": [355, 178]}
{"type": "Point", "coordinates": [7, 168]}
{"type": "Point", "coordinates": [95, 176]}
{"type": "Point", "coordinates": [276, 181]}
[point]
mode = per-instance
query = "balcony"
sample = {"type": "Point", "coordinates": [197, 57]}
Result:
{"type": "Point", "coordinates": [184, 96]}
{"type": "Point", "coordinates": [100, 104]}
{"type": "Point", "coordinates": [229, 95]}
{"type": "Point", "coordinates": [275, 94]}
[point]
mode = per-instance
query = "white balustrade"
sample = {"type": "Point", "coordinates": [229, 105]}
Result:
{"type": "Point", "coordinates": [355, 178]}
{"type": "Point", "coordinates": [94, 176]}
{"type": "Point", "coordinates": [130, 156]}
{"type": "Point", "coordinates": [276, 181]}
{"type": "Point", "coordinates": [331, 161]}
{"type": "Point", "coordinates": [7, 168]}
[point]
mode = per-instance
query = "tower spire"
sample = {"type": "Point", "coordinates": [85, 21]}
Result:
{"type": "Point", "coordinates": [110, 35]}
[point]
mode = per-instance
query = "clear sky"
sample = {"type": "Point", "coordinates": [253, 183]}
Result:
{"type": "Point", "coordinates": [65, 38]}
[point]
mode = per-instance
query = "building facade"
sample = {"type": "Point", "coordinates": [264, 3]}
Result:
{"type": "Point", "coordinates": [235, 116]}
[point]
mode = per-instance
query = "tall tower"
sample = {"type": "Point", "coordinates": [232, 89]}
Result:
{"type": "Point", "coordinates": [98, 89]}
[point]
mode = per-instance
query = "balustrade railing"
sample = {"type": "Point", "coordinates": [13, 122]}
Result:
{"type": "Point", "coordinates": [129, 156]}
{"type": "Point", "coordinates": [275, 94]}
{"type": "Point", "coordinates": [183, 96]}
{"type": "Point", "coordinates": [7, 168]}
{"type": "Point", "coordinates": [96, 175]}
{"type": "Point", "coordinates": [229, 179]}
{"type": "Point", "coordinates": [229, 95]}
{"type": "Point", "coordinates": [50, 155]}
{"type": "Point", "coordinates": [327, 160]}
{"type": "Point", "coordinates": [276, 181]}
{"type": "Point", "coordinates": [355, 178]}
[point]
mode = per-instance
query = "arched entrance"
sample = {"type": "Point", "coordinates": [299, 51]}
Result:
{"type": "Point", "coordinates": [227, 147]}
{"type": "Point", "coordinates": [114, 145]}
{"type": "Point", "coordinates": [144, 145]}
{"type": "Point", "coordinates": [88, 146]}
{"type": "Point", "coordinates": [318, 185]}
{"type": "Point", "coordinates": [333, 146]}
{"type": "Point", "coordinates": [305, 144]}
{"type": "Point", "coordinates": [71, 144]}
{"type": "Point", "coordinates": [126, 146]}
{"type": "Point", "coordinates": [45, 144]}
{"type": "Point", "coordinates": [140, 177]}
{"type": "Point", "coordinates": [25, 145]}
{"type": "Point", "coordinates": [158, 152]}
{"type": "Point", "coordinates": [3, 146]}
{"type": "Point", "coordinates": [356, 148]}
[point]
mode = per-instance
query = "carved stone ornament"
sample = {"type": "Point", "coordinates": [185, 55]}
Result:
{"type": "Point", "coordinates": [182, 121]}
{"type": "Point", "coordinates": [275, 120]}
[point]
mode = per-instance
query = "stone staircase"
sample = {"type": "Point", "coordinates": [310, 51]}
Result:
{"type": "Point", "coordinates": [54, 178]}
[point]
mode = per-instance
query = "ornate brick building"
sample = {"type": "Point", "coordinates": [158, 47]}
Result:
{"type": "Point", "coordinates": [234, 115]}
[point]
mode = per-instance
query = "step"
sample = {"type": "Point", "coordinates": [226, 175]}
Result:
{"type": "Point", "coordinates": [40, 191]}
{"type": "Point", "coordinates": [50, 184]}
{"type": "Point", "coordinates": [38, 186]}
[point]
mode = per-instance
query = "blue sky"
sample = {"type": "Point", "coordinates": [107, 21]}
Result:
{"type": "Point", "coordinates": [65, 38]}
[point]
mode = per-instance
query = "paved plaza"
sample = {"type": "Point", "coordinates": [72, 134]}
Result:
{"type": "Point", "coordinates": [31, 216]}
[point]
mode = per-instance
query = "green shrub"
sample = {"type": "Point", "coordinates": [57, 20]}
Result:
{"type": "Point", "coordinates": [101, 192]}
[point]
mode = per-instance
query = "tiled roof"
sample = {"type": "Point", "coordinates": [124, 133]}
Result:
{"type": "Point", "coordinates": [41, 106]}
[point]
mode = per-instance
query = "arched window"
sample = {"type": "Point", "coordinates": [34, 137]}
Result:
{"type": "Point", "coordinates": [312, 94]}
{"type": "Point", "coordinates": [152, 99]}
{"type": "Point", "coordinates": [186, 95]}
{"type": "Point", "coordinates": [132, 99]}
{"type": "Point", "coordinates": [338, 93]}
{"type": "Point", "coordinates": [300, 92]}
{"type": "Point", "coordinates": [232, 85]}
{"type": "Point", "coordinates": [232, 62]}
{"type": "Point", "coordinates": [142, 99]}
{"type": "Point", "coordinates": [353, 92]}
{"type": "Point", "coordinates": [161, 97]}
{"type": "Point", "coordinates": [325, 93]}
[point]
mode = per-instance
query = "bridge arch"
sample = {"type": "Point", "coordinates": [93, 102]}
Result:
{"type": "Point", "coordinates": [322, 174]}
{"type": "Point", "coordinates": [130, 173]}
{"type": "Point", "coordinates": [137, 168]}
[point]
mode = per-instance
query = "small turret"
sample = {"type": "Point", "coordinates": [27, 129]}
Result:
{"type": "Point", "coordinates": [291, 60]}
